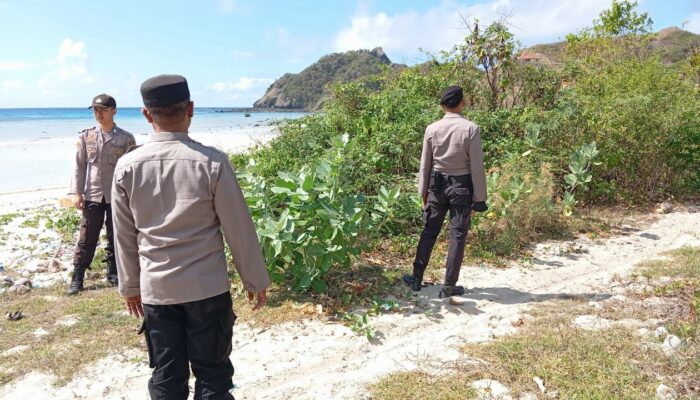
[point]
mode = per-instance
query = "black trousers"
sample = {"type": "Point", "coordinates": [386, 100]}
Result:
{"type": "Point", "coordinates": [446, 193]}
{"type": "Point", "coordinates": [94, 216]}
{"type": "Point", "coordinates": [197, 333]}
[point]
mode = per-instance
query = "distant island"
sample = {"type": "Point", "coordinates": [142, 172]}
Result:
{"type": "Point", "coordinates": [307, 89]}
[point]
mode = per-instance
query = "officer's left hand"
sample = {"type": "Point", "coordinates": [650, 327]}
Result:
{"type": "Point", "coordinates": [261, 299]}
{"type": "Point", "coordinates": [134, 306]}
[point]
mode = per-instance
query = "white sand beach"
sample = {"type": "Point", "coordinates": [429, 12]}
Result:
{"type": "Point", "coordinates": [44, 181]}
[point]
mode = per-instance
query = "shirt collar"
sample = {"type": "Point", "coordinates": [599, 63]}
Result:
{"type": "Point", "coordinates": [169, 137]}
{"type": "Point", "coordinates": [452, 115]}
{"type": "Point", "coordinates": [113, 131]}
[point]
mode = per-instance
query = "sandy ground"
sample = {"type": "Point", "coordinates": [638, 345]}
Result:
{"type": "Point", "coordinates": [315, 359]}
{"type": "Point", "coordinates": [22, 169]}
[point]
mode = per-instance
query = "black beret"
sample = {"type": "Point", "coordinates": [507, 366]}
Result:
{"type": "Point", "coordinates": [451, 96]}
{"type": "Point", "coordinates": [164, 90]}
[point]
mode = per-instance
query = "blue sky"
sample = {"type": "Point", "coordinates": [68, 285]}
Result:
{"type": "Point", "coordinates": [61, 53]}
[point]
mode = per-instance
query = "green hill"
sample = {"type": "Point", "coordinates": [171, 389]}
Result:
{"type": "Point", "coordinates": [307, 89]}
{"type": "Point", "coordinates": [672, 44]}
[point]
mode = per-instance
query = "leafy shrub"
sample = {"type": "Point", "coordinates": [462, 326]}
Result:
{"type": "Point", "coordinates": [308, 222]}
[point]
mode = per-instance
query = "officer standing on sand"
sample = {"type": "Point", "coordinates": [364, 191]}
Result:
{"type": "Point", "coordinates": [172, 199]}
{"type": "Point", "coordinates": [451, 178]}
{"type": "Point", "coordinates": [97, 152]}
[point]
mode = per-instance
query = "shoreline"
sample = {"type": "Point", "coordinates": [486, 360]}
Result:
{"type": "Point", "coordinates": [15, 199]}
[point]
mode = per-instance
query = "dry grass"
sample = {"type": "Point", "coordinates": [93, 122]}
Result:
{"type": "Point", "coordinates": [614, 363]}
{"type": "Point", "coordinates": [420, 386]}
{"type": "Point", "coordinates": [100, 329]}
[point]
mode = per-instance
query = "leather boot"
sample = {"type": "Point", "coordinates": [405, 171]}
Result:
{"type": "Point", "coordinates": [76, 282]}
{"type": "Point", "coordinates": [112, 272]}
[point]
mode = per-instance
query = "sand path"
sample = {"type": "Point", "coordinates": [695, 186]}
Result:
{"type": "Point", "coordinates": [321, 360]}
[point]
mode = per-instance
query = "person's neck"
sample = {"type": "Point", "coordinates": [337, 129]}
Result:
{"type": "Point", "coordinates": [107, 127]}
{"type": "Point", "coordinates": [174, 128]}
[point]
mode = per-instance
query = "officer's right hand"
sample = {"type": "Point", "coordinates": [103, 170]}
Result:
{"type": "Point", "coordinates": [79, 201]}
{"type": "Point", "coordinates": [261, 299]}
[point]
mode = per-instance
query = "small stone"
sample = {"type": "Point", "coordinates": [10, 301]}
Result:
{"type": "Point", "coordinates": [540, 383]}
{"type": "Point", "coordinates": [20, 289]}
{"type": "Point", "coordinates": [664, 208]}
{"type": "Point", "coordinates": [92, 275]}
{"type": "Point", "coordinates": [23, 281]}
{"type": "Point", "coordinates": [592, 322]}
{"type": "Point", "coordinates": [671, 345]}
{"type": "Point", "coordinates": [319, 309]}
{"type": "Point", "coordinates": [40, 332]}
{"type": "Point", "coordinates": [664, 392]}
{"type": "Point", "coordinates": [56, 266]}
{"type": "Point", "coordinates": [457, 301]}
{"type": "Point", "coordinates": [595, 305]}
{"type": "Point", "coordinates": [37, 266]}
{"type": "Point", "coordinates": [489, 389]}
{"type": "Point", "coordinates": [643, 332]}
{"type": "Point", "coordinates": [14, 350]}
{"type": "Point", "coordinates": [527, 396]}
{"type": "Point", "coordinates": [554, 394]}
{"type": "Point", "coordinates": [661, 332]}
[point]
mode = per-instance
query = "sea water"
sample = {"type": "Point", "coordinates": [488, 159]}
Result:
{"type": "Point", "coordinates": [37, 145]}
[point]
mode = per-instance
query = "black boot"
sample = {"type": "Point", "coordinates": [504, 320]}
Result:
{"type": "Point", "coordinates": [412, 281]}
{"type": "Point", "coordinates": [76, 282]}
{"type": "Point", "coordinates": [112, 272]}
{"type": "Point", "coordinates": [448, 291]}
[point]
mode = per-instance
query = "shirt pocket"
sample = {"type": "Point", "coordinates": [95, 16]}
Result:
{"type": "Point", "coordinates": [116, 152]}
{"type": "Point", "coordinates": [91, 149]}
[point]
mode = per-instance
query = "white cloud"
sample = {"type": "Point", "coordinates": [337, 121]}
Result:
{"type": "Point", "coordinates": [69, 67]}
{"type": "Point", "coordinates": [242, 84]}
{"type": "Point", "coordinates": [441, 27]}
{"type": "Point", "coordinates": [693, 23]}
{"type": "Point", "coordinates": [227, 6]}
{"type": "Point", "coordinates": [12, 84]}
{"type": "Point", "coordinates": [14, 65]}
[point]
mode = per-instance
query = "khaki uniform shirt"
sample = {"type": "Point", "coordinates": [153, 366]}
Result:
{"type": "Point", "coordinates": [171, 199]}
{"type": "Point", "coordinates": [96, 155]}
{"type": "Point", "coordinates": [452, 146]}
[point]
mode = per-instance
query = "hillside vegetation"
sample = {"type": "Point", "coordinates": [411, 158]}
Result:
{"type": "Point", "coordinates": [307, 89]}
{"type": "Point", "coordinates": [671, 45]}
{"type": "Point", "coordinates": [614, 125]}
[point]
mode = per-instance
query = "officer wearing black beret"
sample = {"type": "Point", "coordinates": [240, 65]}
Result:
{"type": "Point", "coordinates": [451, 178]}
{"type": "Point", "coordinates": [172, 198]}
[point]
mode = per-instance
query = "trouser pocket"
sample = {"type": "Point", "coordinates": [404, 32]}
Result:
{"type": "Point", "coordinates": [149, 344]}
{"type": "Point", "coordinates": [224, 335]}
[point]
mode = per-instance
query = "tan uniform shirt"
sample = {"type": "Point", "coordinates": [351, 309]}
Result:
{"type": "Point", "coordinates": [452, 146]}
{"type": "Point", "coordinates": [96, 155]}
{"type": "Point", "coordinates": [170, 198]}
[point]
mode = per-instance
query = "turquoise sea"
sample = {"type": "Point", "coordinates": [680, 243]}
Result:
{"type": "Point", "coordinates": [37, 144]}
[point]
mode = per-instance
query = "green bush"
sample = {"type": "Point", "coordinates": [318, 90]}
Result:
{"type": "Point", "coordinates": [308, 222]}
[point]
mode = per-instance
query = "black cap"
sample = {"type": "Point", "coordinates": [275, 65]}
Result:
{"type": "Point", "coordinates": [164, 90]}
{"type": "Point", "coordinates": [103, 101]}
{"type": "Point", "coordinates": [451, 96]}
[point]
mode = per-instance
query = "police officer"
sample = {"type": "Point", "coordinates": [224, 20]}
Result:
{"type": "Point", "coordinates": [97, 151]}
{"type": "Point", "coordinates": [451, 178]}
{"type": "Point", "coordinates": [172, 198]}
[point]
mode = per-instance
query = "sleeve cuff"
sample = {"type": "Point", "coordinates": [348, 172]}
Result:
{"type": "Point", "coordinates": [129, 292]}
{"type": "Point", "coordinates": [480, 206]}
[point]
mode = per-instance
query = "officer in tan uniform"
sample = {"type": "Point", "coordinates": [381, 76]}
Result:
{"type": "Point", "coordinates": [451, 178]}
{"type": "Point", "coordinates": [97, 151]}
{"type": "Point", "coordinates": [173, 197]}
